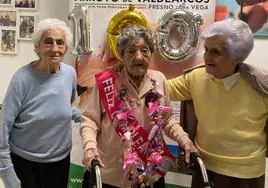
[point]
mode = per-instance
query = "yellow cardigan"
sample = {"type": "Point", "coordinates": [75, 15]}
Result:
{"type": "Point", "coordinates": [230, 132]}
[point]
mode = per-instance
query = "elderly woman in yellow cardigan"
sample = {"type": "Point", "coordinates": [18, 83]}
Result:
{"type": "Point", "coordinates": [230, 109]}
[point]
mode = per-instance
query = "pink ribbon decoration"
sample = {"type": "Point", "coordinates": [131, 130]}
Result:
{"type": "Point", "coordinates": [152, 108]}
{"type": "Point", "coordinates": [130, 160]}
{"type": "Point", "coordinates": [119, 109]}
{"type": "Point", "coordinates": [155, 158]}
{"type": "Point", "coordinates": [125, 114]}
{"type": "Point", "coordinates": [152, 132]}
{"type": "Point", "coordinates": [166, 109]}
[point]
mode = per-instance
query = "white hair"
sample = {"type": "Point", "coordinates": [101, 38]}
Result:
{"type": "Point", "coordinates": [52, 23]}
{"type": "Point", "coordinates": [237, 34]}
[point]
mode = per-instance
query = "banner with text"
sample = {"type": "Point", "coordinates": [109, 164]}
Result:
{"type": "Point", "coordinates": [100, 13]}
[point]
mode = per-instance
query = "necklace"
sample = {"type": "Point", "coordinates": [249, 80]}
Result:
{"type": "Point", "coordinates": [156, 162]}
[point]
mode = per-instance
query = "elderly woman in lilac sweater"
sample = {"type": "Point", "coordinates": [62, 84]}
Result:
{"type": "Point", "coordinates": [35, 130]}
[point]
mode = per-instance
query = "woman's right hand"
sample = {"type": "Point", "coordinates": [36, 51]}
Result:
{"type": "Point", "coordinates": [89, 155]}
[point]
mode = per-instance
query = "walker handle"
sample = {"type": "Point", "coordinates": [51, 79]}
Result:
{"type": "Point", "coordinates": [195, 157]}
{"type": "Point", "coordinates": [95, 169]}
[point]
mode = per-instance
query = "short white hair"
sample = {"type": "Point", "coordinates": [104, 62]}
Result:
{"type": "Point", "coordinates": [52, 23]}
{"type": "Point", "coordinates": [237, 34]}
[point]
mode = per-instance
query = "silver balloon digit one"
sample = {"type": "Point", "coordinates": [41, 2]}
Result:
{"type": "Point", "coordinates": [177, 35]}
{"type": "Point", "coordinates": [81, 30]}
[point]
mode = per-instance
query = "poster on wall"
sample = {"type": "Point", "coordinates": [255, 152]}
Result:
{"type": "Point", "coordinates": [152, 10]}
{"type": "Point", "coordinates": [8, 41]}
{"type": "Point", "coordinates": [8, 18]}
{"type": "Point", "coordinates": [16, 16]}
{"type": "Point", "coordinates": [26, 4]}
{"type": "Point", "coordinates": [8, 31]}
{"type": "Point", "coordinates": [6, 3]}
{"type": "Point", "coordinates": [26, 26]}
{"type": "Point", "coordinates": [254, 15]}
{"type": "Point", "coordinates": [100, 13]}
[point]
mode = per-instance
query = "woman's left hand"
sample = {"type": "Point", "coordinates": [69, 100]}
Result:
{"type": "Point", "coordinates": [189, 148]}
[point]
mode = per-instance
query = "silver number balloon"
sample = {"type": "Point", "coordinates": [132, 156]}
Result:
{"type": "Point", "coordinates": [81, 30]}
{"type": "Point", "coordinates": [177, 35]}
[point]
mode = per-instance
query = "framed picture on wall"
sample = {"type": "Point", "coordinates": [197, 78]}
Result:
{"type": "Point", "coordinates": [8, 18]}
{"type": "Point", "coordinates": [26, 4]}
{"type": "Point", "coordinates": [7, 3]}
{"type": "Point", "coordinates": [8, 41]}
{"type": "Point", "coordinates": [26, 27]}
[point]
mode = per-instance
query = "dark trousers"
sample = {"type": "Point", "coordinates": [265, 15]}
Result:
{"type": "Point", "coordinates": [158, 184]}
{"type": "Point", "coordinates": [222, 181]}
{"type": "Point", "coordinates": [41, 175]}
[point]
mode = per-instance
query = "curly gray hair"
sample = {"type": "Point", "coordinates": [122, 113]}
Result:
{"type": "Point", "coordinates": [132, 33]}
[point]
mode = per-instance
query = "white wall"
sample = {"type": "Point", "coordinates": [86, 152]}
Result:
{"type": "Point", "coordinates": [10, 63]}
{"type": "Point", "coordinates": [259, 55]}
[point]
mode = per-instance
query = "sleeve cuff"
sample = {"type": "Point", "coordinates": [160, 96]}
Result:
{"type": "Point", "coordinates": [90, 145]}
{"type": "Point", "coordinates": [10, 179]}
{"type": "Point", "coordinates": [183, 140]}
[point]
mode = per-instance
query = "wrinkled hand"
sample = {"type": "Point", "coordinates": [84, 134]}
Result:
{"type": "Point", "coordinates": [188, 148]}
{"type": "Point", "coordinates": [89, 155]}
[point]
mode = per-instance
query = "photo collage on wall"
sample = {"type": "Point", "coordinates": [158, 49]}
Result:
{"type": "Point", "coordinates": [17, 22]}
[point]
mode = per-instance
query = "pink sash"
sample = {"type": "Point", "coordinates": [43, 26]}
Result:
{"type": "Point", "coordinates": [106, 83]}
